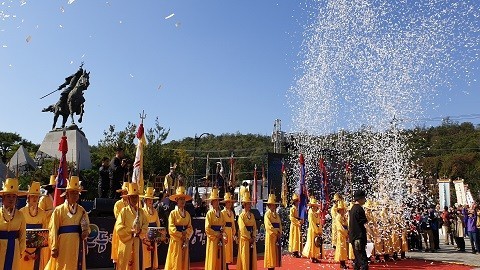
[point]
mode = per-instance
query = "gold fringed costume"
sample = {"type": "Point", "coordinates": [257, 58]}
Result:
{"type": "Point", "coordinates": [230, 229]}
{"type": "Point", "coordinates": [119, 205]}
{"type": "Point", "coordinates": [66, 233]}
{"type": "Point", "coordinates": [273, 232]}
{"type": "Point", "coordinates": [247, 227]}
{"type": "Point", "coordinates": [342, 234]}
{"type": "Point", "coordinates": [150, 252]}
{"type": "Point", "coordinates": [131, 227]}
{"type": "Point", "coordinates": [179, 221]}
{"type": "Point", "coordinates": [214, 225]}
{"type": "Point", "coordinates": [12, 230]}
{"type": "Point", "coordinates": [35, 218]}
{"type": "Point", "coordinates": [294, 238]}
{"type": "Point", "coordinates": [314, 229]}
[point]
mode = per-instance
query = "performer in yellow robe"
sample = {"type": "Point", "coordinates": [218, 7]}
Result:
{"type": "Point", "coordinates": [150, 252]}
{"type": "Point", "coordinates": [295, 237]}
{"type": "Point", "coordinates": [314, 229]}
{"type": "Point", "coordinates": [351, 255]}
{"type": "Point", "coordinates": [12, 227]}
{"type": "Point", "coordinates": [69, 228]}
{"type": "Point", "coordinates": [273, 235]}
{"type": "Point", "coordinates": [396, 235]}
{"type": "Point", "coordinates": [170, 183]}
{"type": "Point", "coordinates": [180, 230]}
{"type": "Point", "coordinates": [385, 229]}
{"type": "Point", "coordinates": [214, 229]}
{"type": "Point", "coordinates": [230, 228]}
{"type": "Point", "coordinates": [35, 218]}
{"type": "Point", "coordinates": [333, 213]}
{"type": "Point", "coordinates": [119, 205]}
{"type": "Point", "coordinates": [46, 202]}
{"type": "Point", "coordinates": [247, 227]}
{"type": "Point", "coordinates": [369, 206]}
{"type": "Point", "coordinates": [341, 254]}
{"type": "Point", "coordinates": [131, 227]}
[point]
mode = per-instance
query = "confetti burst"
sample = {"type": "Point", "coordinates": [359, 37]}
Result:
{"type": "Point", "coordinates": [169, 16]}
{"type": "Point", "coordinates": [366, 66]}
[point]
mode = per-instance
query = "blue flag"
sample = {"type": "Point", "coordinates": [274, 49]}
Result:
{"type": "Point", "coordinates": [302, 207]}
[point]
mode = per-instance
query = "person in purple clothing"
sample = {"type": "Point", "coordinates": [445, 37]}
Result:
{"type": "Point", "coordinates": [471, 227]}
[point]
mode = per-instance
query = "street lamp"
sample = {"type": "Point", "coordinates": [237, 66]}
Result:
{"type": "Point", "coordinates": [196, 139]}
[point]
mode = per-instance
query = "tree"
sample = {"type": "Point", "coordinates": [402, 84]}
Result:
{"type": "Point", "coordinates": [7, 140]}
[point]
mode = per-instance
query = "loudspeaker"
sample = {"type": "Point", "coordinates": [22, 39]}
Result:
{"type": "Point", "coordinates": [256, 214]}
{"type": "Point", "coordinates": [274, 175]}
{"type": "Point", "coordinates": [104, 206]}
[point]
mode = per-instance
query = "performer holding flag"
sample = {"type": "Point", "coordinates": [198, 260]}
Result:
{"type": "Point", "coordinates": [137, 176]}
{"type": "Point", "coordinates": [69, 227]}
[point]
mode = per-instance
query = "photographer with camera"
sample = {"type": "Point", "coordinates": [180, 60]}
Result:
{"type": "Point", "coordinates": [118, 168]}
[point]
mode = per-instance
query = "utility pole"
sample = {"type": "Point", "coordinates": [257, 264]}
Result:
{"type": "Point", "coordinates": [278, 136]}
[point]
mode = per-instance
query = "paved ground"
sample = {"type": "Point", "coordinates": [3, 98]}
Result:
{"type": "Point", "coordinates": [448, 254]}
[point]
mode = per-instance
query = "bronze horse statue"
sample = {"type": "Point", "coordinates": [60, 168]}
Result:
{"type": "Point", "coordinates": [71, 102]}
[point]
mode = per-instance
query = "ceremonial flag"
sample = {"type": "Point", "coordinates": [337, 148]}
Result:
{"type": "Point", "coordinates": [62, 175]}
{"type": "Point", "coordinates": [324, 187]}
{"type": "Point", "coordinates": [207, 170]}
{"type": "Point", "coordinates": [284, 185]}
{"type": "Point", "coordinates": [255, 186]}
{"type": "Point", "coordinates": [232, 172]}
{"type": "Point", "coordinates": [302, 207]}
{"type": "Point", "coordinates": [264, 179]}
{"type": "Point", "coordinates": [137, 176]}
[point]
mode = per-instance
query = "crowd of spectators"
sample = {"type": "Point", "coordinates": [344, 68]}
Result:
{"type": "Point", "coordinates": [455, 223]}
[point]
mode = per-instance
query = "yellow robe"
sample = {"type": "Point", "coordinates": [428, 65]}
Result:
{"type": "Point", "coordinates": [67, 244]}
{"type": "Point", "coordinates": [314, 229]}
{"type": "Point", "coordinates": [231, 231]}
{"type": "Point", "coordinates": [169, 184]}
{"type": "Point", "coordinates": [342, 234]}
{"type": "Point", "coordinates": [273, 232]}
{"type": "Point", "coordinates": [247, 228]}
{"type": "Point", "coordinates": [333, 214]}
{"type": "Point", "coordinates": [10, 228]}
{"type": "Point", "coordinates": [396, 235]}
{"type": "Point", "coordinates": [294, 239]}
{"type": "Point", "coordinates": [46, 204]}
{"type": "Point", "coordinates": [177, 256]}
{"type": "Point", "coordinates": [130, 247]}
{"type": "Point", "coordinates": [38, 221]}
{"type": "Point", "coordinates": [119, 205]}
{"type": "Point", "coordinates": [215, 255]}
{"type": "Point", "coordinates": [153, 221]}
{"type": "Point", "coordinates": [378, 239]}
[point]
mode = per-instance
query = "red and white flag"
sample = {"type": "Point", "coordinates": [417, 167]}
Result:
{"type": "Point", "coordinates": [137, 176]}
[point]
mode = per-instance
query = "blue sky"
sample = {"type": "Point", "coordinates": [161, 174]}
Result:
{"type": "Point", "coordinates": [215, 66]}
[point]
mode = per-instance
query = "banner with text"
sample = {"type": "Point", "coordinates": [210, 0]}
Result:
{"type": "Point", "coordinates": [460, 192]}
{"type": "Point", "coordinates": [444, 192]}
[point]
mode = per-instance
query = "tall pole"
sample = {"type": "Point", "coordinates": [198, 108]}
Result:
{"type": "Point", "coordinates": [195, 145]}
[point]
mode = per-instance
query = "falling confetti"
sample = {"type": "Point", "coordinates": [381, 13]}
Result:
{"type": "Point", "coordinates": [23, 2]}
{"type": "Point", "coordinates": [159, 87]}
{"type": "Point", "coordinates": [62, 10]}
{"type": "Point", "coordinates": [131, 75]}
{"type": "Point", "coordinates": [61, 26]}
{"type": "Point", "coordinates": [71, 62]}
{"type": "Point", "coordinates": [83, 55]}
{"type": "Point", "coordinates": [169, 16]}
{"type": "Point", "coordinates": [70, 1]}
{"type": "Point", "coordinates": [178, 24]}
{"type": "Point", "coordinates": [4, 46]}
{"type": "Point", "coordinates": [120, 21]}
{"type": "Point", "coordinates": [29, 38]}
{"type": "Point", "coordinates": [357, 73]}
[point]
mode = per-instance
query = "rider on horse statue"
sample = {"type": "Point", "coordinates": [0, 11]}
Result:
{"type": "Point", "coordinates": [71, 98]}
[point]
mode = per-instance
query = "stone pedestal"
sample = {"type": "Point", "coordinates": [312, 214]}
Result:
{"type": "Point", "coordinates": [78, 149]}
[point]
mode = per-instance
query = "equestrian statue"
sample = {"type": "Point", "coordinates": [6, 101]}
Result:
{"type": "Point", "coordinates": [71, 98]}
